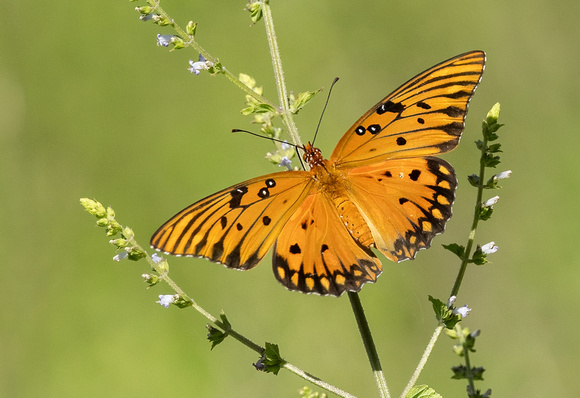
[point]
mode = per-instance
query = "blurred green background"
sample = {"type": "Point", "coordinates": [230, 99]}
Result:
{"type": "Point", "coordinates": [89, 106]}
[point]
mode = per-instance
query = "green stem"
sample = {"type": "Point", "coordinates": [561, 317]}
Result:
{"type": "Point", "coordinates": [423, 360]}
{"type": "Point", "coordinates": [195, 45]}
{"type": "Point", "coordinates": [468, 372]}
{"type": "Point", "coordinates": [467, 252]}
{"type": "Point", "coordinates": [163, 273]}
{"type": "Point", "coordinates": [369, 344]}
{"type": "Point", "coordinates": [279, 75]}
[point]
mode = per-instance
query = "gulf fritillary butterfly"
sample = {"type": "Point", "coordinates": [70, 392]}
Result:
{"type": "Point", "coordinates": [381, 188]}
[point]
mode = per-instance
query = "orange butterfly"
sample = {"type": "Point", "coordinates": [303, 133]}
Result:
{"type": "Point", "coordinates": [381, 188]}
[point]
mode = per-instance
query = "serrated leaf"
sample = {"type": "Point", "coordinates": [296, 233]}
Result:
{"type": "Point", "coordinates": [272, 360]}
{"type": "Point", "coordinates": [422, 391]}
{"type": "Point", "coordinates": [458, 250]}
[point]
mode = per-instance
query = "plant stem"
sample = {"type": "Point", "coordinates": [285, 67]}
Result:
{"type": "Point", "coordinates": [238, 336]}
{"type": "Point", "coordinates": [369, 344]}
{"type": "Point", "coordinates": [197, 47]}
{"type": "Point", "coordinates": [467, 252]}
{"type": "Point", "coordinates": [423, 360]}
{"type": "Point", "coordinates": [279, 75]}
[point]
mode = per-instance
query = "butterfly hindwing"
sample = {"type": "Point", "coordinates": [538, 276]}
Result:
{"type": "Point", "coordinates": [406, 202]}
{"type": "Point", "coordinates": [316, 253]}
{"type": "Point", "coordinates": [238, 225]}
{"type": "Point", "coordinates": [423, 117]}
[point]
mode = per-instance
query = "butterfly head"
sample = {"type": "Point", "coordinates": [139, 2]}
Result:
{"type": "Point", "coordinates": [312, 156]}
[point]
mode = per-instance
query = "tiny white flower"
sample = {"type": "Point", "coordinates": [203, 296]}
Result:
{"type": "Point", "coordinates": [491, 201]}
{"type": "Point", "coordinates": [489, 248]}
{"type": "Point", "coordinates": [285, 146]}
{"type": "Point", "coordinates": [166, 299]}
{"type": "Point", "coordinates": [503, 175]}
{"type": "Point", "coordinates": [164, 40]}
{"type": "Point", "coordinates": [451, 301]}
{"type": "Point", "coordinates": [120, 256]}
{"type": "Point", "coordinates": [156, 258]}
{"type": "Point", "coordinates": [201, 64]}
{"type": "Point", "coordinates": [285, 162]}
{"type": "Point", "coordinates": [146, 17]}
{"type": "Point", "coordinates": [463, 311]}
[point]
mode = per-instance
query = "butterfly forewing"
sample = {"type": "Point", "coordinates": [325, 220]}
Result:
{"type": "Point", "coordinates": [236, 226]}
{"type": "Point", "coordinates": [406, 202]}
{"type": "Point", "coordinates": [425, 116]}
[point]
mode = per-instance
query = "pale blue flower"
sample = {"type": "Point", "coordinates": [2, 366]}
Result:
{"type": "Point", "coordinates": [463, 311]}
{"type": "Point", "coordinates": [491, 201]}
{"type": "Point", "coordinates": [285, 162]}
{"type": "Point", "coordinates": [166, 299]}
{"type": "Point", "coordinates": [197, 67]}
{"type": "Point", "coordinates": [489, 248]}
{"type": "Point", "coordinates": [120, 256]}
{"type": "Point", "coordinates": [164, 40]}
{"type": "Point", "coordinates": [504, 175]}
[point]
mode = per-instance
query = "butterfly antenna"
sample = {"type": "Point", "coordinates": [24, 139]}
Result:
{"type": "Point", "coordinates": [324, 109]}
{"type": "Point", "coordinates": [263, 136]}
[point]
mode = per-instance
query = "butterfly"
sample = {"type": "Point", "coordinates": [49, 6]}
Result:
{"type": "Point", "coordinates": [381, 188]}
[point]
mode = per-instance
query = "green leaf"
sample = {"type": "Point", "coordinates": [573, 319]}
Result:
{"type": "Point", "coordinates": [489, 160]}
{"type": "Point", "coordinates": [422, 391]}
{"type": "Point", "coordinates": [474, 180]}
{"type": "Point", "coordinates": [494, 148]}
{"type": "Point", "coordinates": [485, 213]}
{"type": "Point", "coordinates": [302, 100]}
{"type": "Point", "coordinates": [458, 250]}
{"type": "Point", "coordinates": [272, 359]}
{"type": "Point", "coordinates": [479, 257]}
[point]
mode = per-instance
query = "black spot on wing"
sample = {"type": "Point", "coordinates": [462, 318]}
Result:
{"type": "Point", "coordinates": [390, 106]}
{"type": "Point", "coordinates": [414, 175]}
{"type": "Point", "coordinates": [295, 249]}
{"type": "Point", "coordinates": [237, 195]}
{"type": "Point", "coordinates": [401, 141]}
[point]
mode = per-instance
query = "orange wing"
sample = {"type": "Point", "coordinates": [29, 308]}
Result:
{"type": "Point", "coordinates": [316, 253]}
{"type": "Point", "coordinates": [425, 116]}
{"type": "Point", "coordinates": [237, 226]}
{"type": "Point", "coordinates": [405, 202]}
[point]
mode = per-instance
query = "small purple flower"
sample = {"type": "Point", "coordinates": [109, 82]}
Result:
{"type": "Point", "coordinates": [285, 162]}
{"type": "Point", "coordinates": [197, 67]}
{"type": "Point", "coordinates": [166, 299]}
{"type": "Point", "coordinates": [463, 311]}
{"type": "Point", "coordinates": [156, 258]}
{"type": "Point", "coordinates": [164, 40]}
